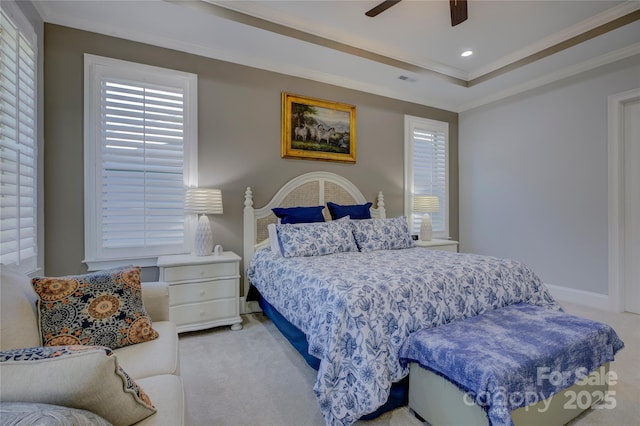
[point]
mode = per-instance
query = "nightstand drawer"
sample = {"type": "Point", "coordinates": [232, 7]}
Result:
{"type": "Point", "coordinates": [202, 291]}
{"type": "Point", "coordinates": [203, 312]}
{"type": "Point", "coordinates": [194, 272]}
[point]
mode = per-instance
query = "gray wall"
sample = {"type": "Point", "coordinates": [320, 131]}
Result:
{"type": "Point", "coordinates": [533, 177]}
{"type": "Point", "coordinates": [239, 138]}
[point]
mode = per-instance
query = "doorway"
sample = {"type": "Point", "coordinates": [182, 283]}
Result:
{"type": "Point", "coordinates": [631, 132]}
{"type": "Point", "coordinates": [624, 201]}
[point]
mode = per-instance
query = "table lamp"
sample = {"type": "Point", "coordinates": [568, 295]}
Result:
{"type": "Point", "coordinates": [203, 201]}
{"type": "Point", "coordinates": [426, 204]}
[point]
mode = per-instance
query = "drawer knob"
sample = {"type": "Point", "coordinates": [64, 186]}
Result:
{"type": "Point", "coordinates": [201, 292]}
{"type": "Point", "coordinates": [201, 313]}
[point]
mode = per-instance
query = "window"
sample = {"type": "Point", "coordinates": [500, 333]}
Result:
{"type": "Point", "coordinates": [140, 155]}
{"type": "Point", "coordinates": [18, 141]}
{"type": "Point", "coordinates": [427, 171]}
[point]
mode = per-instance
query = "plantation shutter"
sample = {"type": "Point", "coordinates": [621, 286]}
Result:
{"type": "Point", "coordinates": [142, 165]}
{"type": "Point", "coordinates": [429, 170]}
{"type": "Point", "coordinates": [18, 153]}
{"type": "Point", "coordinates": [141, 142]}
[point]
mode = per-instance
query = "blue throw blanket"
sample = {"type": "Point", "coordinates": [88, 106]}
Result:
{"type": "Point", "coordinates": [513, 356]}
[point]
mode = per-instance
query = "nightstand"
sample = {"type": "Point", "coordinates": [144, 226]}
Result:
{"type": "Point", "coordinates": [204, 291]}
{"type": "Point", "coordinates": [446, 245]}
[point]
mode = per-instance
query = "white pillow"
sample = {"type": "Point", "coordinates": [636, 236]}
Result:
{"type": "Point", "coordinates": [273, 239]}
{"type": "Point", "coordinates": [83, 377]}
{"type": "Point", "coordinates": [35, 413]}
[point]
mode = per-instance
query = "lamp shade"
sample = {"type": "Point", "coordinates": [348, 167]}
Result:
{"type": "Point", "coordinates": [426, 203]}
{"type": "Point", "coordinates": [203, 201]}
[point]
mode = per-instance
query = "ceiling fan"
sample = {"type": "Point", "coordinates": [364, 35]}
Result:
{"type": "Point", "coordinates": [458, 10]}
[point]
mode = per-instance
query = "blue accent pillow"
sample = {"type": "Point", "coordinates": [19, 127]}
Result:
{"type": "Point", "coordinates": [355, 211]}
{"type": "Point", "coordinates": [299, 214]}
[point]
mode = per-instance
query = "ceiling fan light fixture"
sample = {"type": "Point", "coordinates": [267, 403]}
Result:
{"type": "Point", "coordinates": [386, 4]}
{"type": "Point", "coordinates": [458, 9]}
{"type": "Point", "coordinates": [466, 53]}
{"type": "Point", "coordinates": [459, 12]}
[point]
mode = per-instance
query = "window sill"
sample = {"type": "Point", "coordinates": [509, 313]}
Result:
{"type": "Point", "coordinates": [98, 265]}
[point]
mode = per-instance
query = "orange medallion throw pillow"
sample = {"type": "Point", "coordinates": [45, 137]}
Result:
{"type": "Point", "coordinates": [101, 309]}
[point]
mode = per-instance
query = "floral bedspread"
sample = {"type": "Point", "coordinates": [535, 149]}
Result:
{"type": "Point", "coordinates": [357, 309]}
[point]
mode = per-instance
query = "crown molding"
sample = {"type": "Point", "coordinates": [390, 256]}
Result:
{"type": "Point", "coordinates": [559, 38]}
{"type": "Point", "coordinates": [607, 58]}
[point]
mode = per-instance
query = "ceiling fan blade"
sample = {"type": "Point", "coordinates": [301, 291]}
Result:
{"type": "Point", "coordinates": [386, 4]}
{"type": "Point", "coordinates": [458, 11]}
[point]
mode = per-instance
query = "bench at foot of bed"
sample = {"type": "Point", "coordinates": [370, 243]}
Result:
{"type": "Point", "coordinates": [520, 364]}
{"type": "Point", "coordinates": [439, 402]}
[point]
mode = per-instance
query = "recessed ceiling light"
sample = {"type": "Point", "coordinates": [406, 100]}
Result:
{"type": "Point", "coordinates": [466, 53]}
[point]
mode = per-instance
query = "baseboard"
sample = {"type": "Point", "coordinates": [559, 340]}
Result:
{"type": "Point", "coordinates": [580, 297]}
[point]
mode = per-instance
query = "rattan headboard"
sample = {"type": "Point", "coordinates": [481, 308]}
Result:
{"type": "Point", "coordinates": [310, 189]}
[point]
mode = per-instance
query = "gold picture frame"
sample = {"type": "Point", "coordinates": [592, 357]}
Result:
{"type": "Point", "coordinates": [315, 129]}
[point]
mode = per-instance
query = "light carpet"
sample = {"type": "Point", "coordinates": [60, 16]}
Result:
{"type": "Point", "coordinates": [255, 377]}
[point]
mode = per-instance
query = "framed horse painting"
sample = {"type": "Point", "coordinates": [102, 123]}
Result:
{"type": "Point", "coordinates": [315, 129]}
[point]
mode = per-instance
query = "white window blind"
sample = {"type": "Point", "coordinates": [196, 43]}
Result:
{"type": "Point", "coordinates": [426, 170]}
{"type": "Point", "coordinates": [18, 142]}
{"type": "Point", "coordinates": [143, 146]}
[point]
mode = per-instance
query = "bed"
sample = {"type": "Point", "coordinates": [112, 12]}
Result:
{"type": "Point", "coordinates": [351, 311]}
